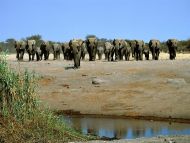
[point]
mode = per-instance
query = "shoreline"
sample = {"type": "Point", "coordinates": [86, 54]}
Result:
{"type": "Point", "coordinates": [76, 114]}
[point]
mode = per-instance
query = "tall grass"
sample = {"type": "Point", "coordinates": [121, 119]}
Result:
{"type": "Point", "coordinates": [21, 118]}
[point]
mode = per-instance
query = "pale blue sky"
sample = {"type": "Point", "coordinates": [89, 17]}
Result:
{"type": "Point", "coordinates": [62, 20]}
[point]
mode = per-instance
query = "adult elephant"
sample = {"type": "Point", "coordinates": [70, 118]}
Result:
{"type": "Point", "coordinates": [56, 51]}
{"type": "Point", "coordinates": [125, 50]}
{"type": "Point", "coordinates": [31, 49]}
{"type": "Point", "coordinates": [117, 49]}
{"type": "Point", "coordinates": [132, 45]}
{"type": "Point", "coordinates": [75, 46]}
{"type": "Point", "coordinates": [20, 49]}
{"type": "Point", "coordinates": [45, 50]}
{"type": "Point", "coordinates": [172, 47]}
{"type": "Point", "coordinates": [66, 51]}
{"type": "Point", "coordinates": [92, 44]}
{"type": "Point", "coordinates": [109, 51]}
{"type": "Point", "coordinates": [154, 46]}
{"type": "Point", "coordinates": [138, 51]}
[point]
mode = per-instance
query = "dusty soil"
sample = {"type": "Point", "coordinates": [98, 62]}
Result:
{"type": "Point", "coordinates": [127, 88]}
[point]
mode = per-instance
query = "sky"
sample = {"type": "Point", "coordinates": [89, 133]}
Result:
{"type": "Point", "coordinates": [62, 20]}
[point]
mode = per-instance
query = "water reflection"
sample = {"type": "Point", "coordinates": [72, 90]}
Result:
{"type": "Point", "coordinates": [126, 128]}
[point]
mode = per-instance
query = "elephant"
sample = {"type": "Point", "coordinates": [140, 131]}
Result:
{"type": "Point", "coordinates": [67, 51]}
{"type": "Point", "coordinates": [75, 46]}
{"type": "Point", "coordinates": [154, 46]}
{"type": "Point", "coordinates": [133, 45]}
{"type": "Point", "coordinates": [100, 51]}
{"type": "Point", "coordinates": [56, 51]}
{"type": "Point", "coordinates": [92, 44]}
{"type": "Point", "coordinates": [146, 52]}
{"type": "Point", "coordinates": [83, 50]}
{"type": "Point", "coordinates": [172, 47]}
{"type": "Point", "coordinates": [138, 50]}
{"type": "Point", "coordinates": [38, 54]}
{"type": "Point", "coordinates": [30, 48]}
{"type": "Point", "coordinates": [20, 49]}
{"type": "Point", "coordinates": [125, 50]}
{"type": "Point", "coordinates": [45, 50]}
{"type": "Point", "coordinates": [116, 43]}
{"type": "Point", "coordinates": [109, 51]}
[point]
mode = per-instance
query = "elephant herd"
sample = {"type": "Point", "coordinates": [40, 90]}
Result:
{"type": "Point", "coordinates": [76, 49]}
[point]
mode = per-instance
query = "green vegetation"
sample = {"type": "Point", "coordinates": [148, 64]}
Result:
{"type": "Point", "coordinates": [22, 118]}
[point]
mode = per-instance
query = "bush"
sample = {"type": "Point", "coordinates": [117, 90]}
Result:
{"type": "Point", "coordinates": [21, 118]}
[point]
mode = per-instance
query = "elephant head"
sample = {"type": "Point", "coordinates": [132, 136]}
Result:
{"type": "Point", "coordinates": [30, 48]}
{"type": "Point", "coordinates": [75, 46]}
{"type": "Point", "coordinates": [154, 46]}
{"type": "Point", "coordinates": [20, 49]}
{"type": "Point", "coordinates": [92, 44]}
{"type": "Point", "coordinates": [45, 49]}
{"type": "Point", "coordinates": [56, 51]}
{"type": "Point", "coordinates": [172, 47]}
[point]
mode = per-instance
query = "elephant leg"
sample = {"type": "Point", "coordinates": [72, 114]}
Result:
{"type": "Point", "coordinates": [153, 53]}
{"type": "Point", "coordinates": [116, 54]}
{"type": "Point", "coordinates": [37, 57]}
{"type": "Point", "coordinates": [33, 55]}
{"type": "Point", "coordinates": [106, 55]}
{"type": "Point", "coordinates": [21, 55]}
{"type": "Point", "coordinates": [17, 54]}
{"type": "Point", "coordinates": [76, 61]}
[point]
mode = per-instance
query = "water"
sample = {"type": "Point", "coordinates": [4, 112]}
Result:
{"type": "Point", "coordinates": [126, 128]}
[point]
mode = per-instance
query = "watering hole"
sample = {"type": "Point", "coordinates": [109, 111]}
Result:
{"type": "Point", "coordinates": [125, 128]}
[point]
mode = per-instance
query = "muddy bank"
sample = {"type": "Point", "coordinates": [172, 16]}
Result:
{"type": "Point", "coordinates": [159, 139]}
{"type": "Point", "coordinates": [141, 89]}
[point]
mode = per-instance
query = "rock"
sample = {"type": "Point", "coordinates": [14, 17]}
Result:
{"type": "Point", "coordinates": [176, 81]}
{"type": "Point", "coordinates": [97, 81]}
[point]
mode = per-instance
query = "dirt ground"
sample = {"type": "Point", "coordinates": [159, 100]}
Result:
{"type": "Point", "coordinates": [127, 88]}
